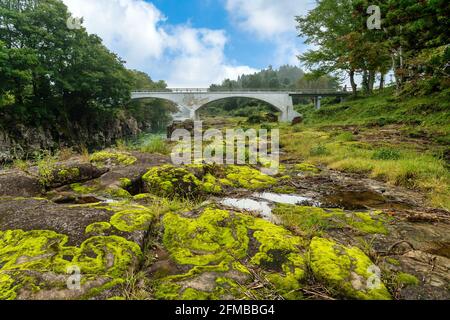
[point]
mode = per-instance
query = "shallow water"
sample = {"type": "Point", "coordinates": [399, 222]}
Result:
{"type": "Point", "coordinates": [282, 198]}
{"type": "Point", "coordinates": [263, 203]}
{"type": "Point", "coordinates": [248, 204]}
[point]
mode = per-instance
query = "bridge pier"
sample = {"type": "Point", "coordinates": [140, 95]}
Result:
{"type": "Point", "coordinates": [317, 102]}
{"type": "Point", "coordinates": [195, 113]}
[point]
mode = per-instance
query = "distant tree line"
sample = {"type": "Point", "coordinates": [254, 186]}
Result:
{"type": "Point", "coordinates": [413, 42]}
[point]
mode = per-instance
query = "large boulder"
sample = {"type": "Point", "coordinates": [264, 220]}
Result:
{"type": "Point", "coordinates": [16, 183]}
{"type": "Point", "coordinates": [42, 243]}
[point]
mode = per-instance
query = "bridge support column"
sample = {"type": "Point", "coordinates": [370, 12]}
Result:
{"type": "Point", "coordinates": [317, 102]}
{"type": "Point", "coordinates": [195, 114]}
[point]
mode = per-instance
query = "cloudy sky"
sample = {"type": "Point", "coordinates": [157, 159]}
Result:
{"type": "Point", "coordinates": [193, 43]}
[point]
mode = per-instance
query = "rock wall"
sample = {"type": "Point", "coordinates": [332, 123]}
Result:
{"type": "Point", "coordinates": [20, 141]}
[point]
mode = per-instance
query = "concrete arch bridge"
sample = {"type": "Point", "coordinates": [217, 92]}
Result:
{"type": "Point", "coordinates": [190, 101]}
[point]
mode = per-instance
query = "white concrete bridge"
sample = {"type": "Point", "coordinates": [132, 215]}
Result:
{"type": "Point", "coordinates": [190, 101]}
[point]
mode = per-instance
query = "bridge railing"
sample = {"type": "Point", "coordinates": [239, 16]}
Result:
{"type": "Point", "coordinates": [206, 90]}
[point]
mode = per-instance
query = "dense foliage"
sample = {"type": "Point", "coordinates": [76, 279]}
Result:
{"type": "Point", "coordinates": [52, 73]}
{"type": "Point", "coordinates": [413, 41]}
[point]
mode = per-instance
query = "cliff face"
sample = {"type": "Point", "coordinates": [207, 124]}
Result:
{"type": "Point", "coordinates": [21, 141]}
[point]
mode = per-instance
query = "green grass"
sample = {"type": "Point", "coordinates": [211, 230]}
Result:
{"type": "Point", "coordinates": [324, 139]}
{"type": "Point", "coordinates": [155, 145]}
{"type": "Point", "coordinates": [428, 113]}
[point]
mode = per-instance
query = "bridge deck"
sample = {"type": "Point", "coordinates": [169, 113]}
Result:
{"type": "Point", "coordinates": [303, 93]}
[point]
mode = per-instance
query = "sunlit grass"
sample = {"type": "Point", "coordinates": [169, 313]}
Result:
{"type": "Point", "coordinates": [394, 164]}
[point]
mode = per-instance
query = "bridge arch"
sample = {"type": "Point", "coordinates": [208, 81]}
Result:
{"type": "Point", "coordinates": [194, 101]}
{"type": "Point", "coordinates": [270, 103]}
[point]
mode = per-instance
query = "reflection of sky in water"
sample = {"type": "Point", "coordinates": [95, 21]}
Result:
{"type": "Point", "coordinates": [249, 205]}
{"type": "Point", "coordinates": [264, 204]}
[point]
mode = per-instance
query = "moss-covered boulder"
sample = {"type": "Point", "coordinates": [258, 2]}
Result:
{"type": "Point", "coordinates": [347, 270]}
{"type": "Point", "coordinates": [36, 264]}
{"type": "Point", "coordinates": [40, 241]}
{"type": "Point", "coordinates": [196, 180]}
{"type": "Point", "coordinates": [316, 221]}
{"type": "Point", "coordinates": [217, 252]}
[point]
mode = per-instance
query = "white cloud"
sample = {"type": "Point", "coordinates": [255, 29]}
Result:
{"type": "Point", "coordinates": [272, 21]}
{"type": "Point", "coordinates": [136, 30]}
{"type": "Point", "coordinates": [267, 18]}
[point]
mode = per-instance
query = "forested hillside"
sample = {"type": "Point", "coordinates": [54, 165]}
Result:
{"type": "Point", "coordinates": [60, 86]}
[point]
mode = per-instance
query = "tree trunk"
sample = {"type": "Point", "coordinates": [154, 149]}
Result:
{"type": "Point", "coordinates": [353, 83]}
{"type": "Point", "coordinates": [371, 81]}
{"type": "Point", "coordinates": [365, 81]}
{"type": "Point", "coordinates": [382, 82]}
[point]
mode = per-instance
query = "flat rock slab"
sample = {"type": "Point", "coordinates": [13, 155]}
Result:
{"type": "Point", "coordinates": [16, 183]}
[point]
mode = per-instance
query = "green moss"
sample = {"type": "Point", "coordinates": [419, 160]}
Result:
{"type": "Point", "coordinates": [199, 180]}
{"type": "Point", "coordinates": [218, 241]}
{"type": "Point", "coordinates": [98, 228]}
{"type": "Point", "coordinates": [118, 193]}
{"type": "Point", "coordinates": [211, 185]}
{"type": "Point", "coordinates": [46, 251]}
{"type": "Point", "coordinates": [346, 269]}
{"type": "Point", "coordinates": [118, 158]}
{"type": "Point", "coordinates": [284, 190]}
{"type": "Point", "coordinates": [306, 167]}
{"type": "Point", "coordinates": [125, 183]}
{"type": "Point", "coordinates": [143, 196]}
{"type": "Point", "coordinates": [132, 220]}
{"type": "Point", "coordinates": [407, 279]}
{"type": "Point", "coordinates": [313, 221]}
{"type": "Point", "coordinates": [7, 287]}
{"type": "Point", "coordinates": [393, 261]}
{"type": "Point", "coordinates": [168, 180]}
{"type": "Point", "coordinates": [110, 255]}
{"type": "Point", "coordinates": [81, 189]}
{"type": "Point", "coordinates": [248, 178]}
{"type": "Point", "coordinates": [69, 174]}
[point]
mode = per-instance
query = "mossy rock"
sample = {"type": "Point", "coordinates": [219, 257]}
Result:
{"type": "Point", "coordinates": [347, 270]}
{"type": "Point", "coordinates": [306, 167]}
{"type": "Point", "coordinates": [132, 220]}
{"type": "Point", "coordinates": [197, 180]}
{"type": "Point", "coordinates": [112, 158]}
{"type": "Point", "coordinates": [218, 248]}
{"type": "Point", "coordinates": [102, 260]}
{"type": "Point", "coordinates": [60, 174]}
{"type": "Point", "coordinates": [98, 228]}
{"type": "Point", "coordinates": [315, 221]}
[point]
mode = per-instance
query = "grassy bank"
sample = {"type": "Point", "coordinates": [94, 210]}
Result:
{"type": "Point", "coordinates": [402, 141]}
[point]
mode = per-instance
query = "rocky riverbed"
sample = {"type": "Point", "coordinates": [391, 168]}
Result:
{"type": "Point", "coordinates": [138, 227]}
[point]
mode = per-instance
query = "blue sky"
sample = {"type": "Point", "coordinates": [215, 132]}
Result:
{"type": "Point", "coordinates": [193, 43]}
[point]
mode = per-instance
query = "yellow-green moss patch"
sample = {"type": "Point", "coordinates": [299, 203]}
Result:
{"type": "Point", "coordinates": [46, 251]}
{"type": "Point", "coordinates": [403, 278]}
{"type": "Point", "coordinates": [112, 157]}
{"type": "Point", "coordinates": [132, 220]}
{"type": "Point", "coordinates": [346, 269]}
{"type": "Point", "coordinates": [306, 167]}
{"type": "Point", "coordinates": [313, 220]}
{"type": "Point", "coordinates": [98, 228]}
{"type": "Point", "coordinates": [218, 241]}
